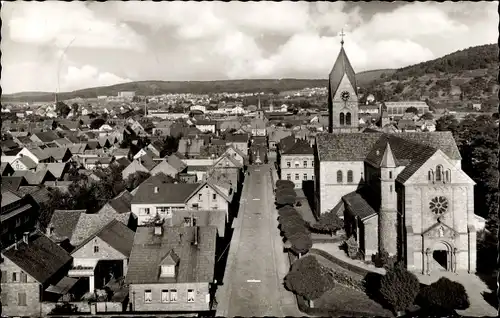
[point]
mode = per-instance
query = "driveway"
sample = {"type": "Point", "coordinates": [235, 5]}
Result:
{"type": "Point", "coordinates": [253, 283]}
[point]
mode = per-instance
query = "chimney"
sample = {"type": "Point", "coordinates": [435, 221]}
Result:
{"type": "Point", "coordinates": [26, 236]}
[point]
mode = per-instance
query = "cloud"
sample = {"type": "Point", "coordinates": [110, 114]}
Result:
{"type": "Point", "coordinates": [216, 40]}
{"type": "Point", "coordinates": [65, 23]}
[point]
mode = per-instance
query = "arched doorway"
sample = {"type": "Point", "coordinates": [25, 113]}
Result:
{"type": "Point", "coordinates": [441, 256]}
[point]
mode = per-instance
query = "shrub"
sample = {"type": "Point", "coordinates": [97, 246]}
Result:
{"type": "Point", "coordinates": [308, 278]}
{"type": "Point", "coordinates": [445, 295]}
{"type": "Point", "coordinates": [399, 288]}
{"type": "Point", "coordinates": [280, 184]}
{"type": "Point", "coordinates": [285, 191]}
{"type": "Point", "coordinates": [285, 200]}
{"type": "Point", "coordinates": [301, 242]}
{"type": "Point", "coordinates": [383, 259]}
{"type": "Point", "coordinates": [328, 223]}
{"type": "Point", "coordinates": [287, 210]}
{"type": "Point", "coordinates": [347, 280]}
{"type": "Point", "coordinates": [351, 247]}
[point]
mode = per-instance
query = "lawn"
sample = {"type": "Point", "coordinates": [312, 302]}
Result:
{"type": "Point", "coordinates": [346, 299]}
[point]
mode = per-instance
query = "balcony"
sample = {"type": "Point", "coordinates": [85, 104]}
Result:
{"type": "Point", "coordinates": [81, 271]}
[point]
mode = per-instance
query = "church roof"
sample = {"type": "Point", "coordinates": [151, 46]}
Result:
{"type": "Point", "coordinates": [362, 202]}
{"type": "Point", "coordinates": [405, 146]}
{"type": "Point", "coordinates": [342, 66]}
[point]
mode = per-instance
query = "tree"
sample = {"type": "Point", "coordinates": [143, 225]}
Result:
{"type": "Point", "coordinates": [280, 184]}
{"type": "Point", "coordinates": [399, 88]}
{"type": "Point", "coordinates": [97, 123]}
{"type": "Point", "coordinates": [308, 278]}
{"type": "Point", "coordinates": [170, 145]}
{"type": "Point", "coordinates": [412, 110]}
{"type": "Point", "coordinates": [285, 200]}
{"type": "Point", "coordinates": [447, 123]}
{"type": "Point", "coordinates": [427, 116]}
{"type": "Point", "coordinates": [74, 108]}
{"type": "Point", "coordinates": [301, 242]}
{"type": "Point", "coordinates": [445, 296]}
{"type": "Point", "coordinates": [328, 223]}
{"type": "Point", "coordinates": [285, 191]}
{"type": "Point", "coordinates": [62, 109]}
{"type": "Point", "coordinates": [135, 179]}
{"type": "Point", "coordinates": [351, 247]}
{"type": "Point", "coordinates": [399, 288]}
{"type": "Point", "coordinates": [383, 259]}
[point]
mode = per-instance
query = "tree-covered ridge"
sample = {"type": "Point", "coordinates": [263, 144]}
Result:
{"type": "Point", "coordinates": [472, 58]}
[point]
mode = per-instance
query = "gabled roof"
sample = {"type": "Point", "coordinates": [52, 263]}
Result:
{"type": "Point", "coordinates": [116, 234]}
{"type": "Point", "coordinates": [121, 203]}
{"type": "Point", "coordinates": [173, 193]}
{"type": "Point", "coordinates": [240, 138]}
{"type": "Point", "coordinates": [47, 136]}
{"type": "Point", "coordinates": [33, 178]}
{"type": "Point", "coordinates": [40, 259]}
{"type": "Point", "coordinates": [38, 193]}
{"type": "Point", "coordinates": [27, 161]}
{"type": "Point", "coordinates": [170, 259]}
{"type": "Point", "coordinates": [13, 183]}
{"type": "Point", "coordinates": [9, 197]}
{"type": "Point", "coordinates": [362, 203]}
{"type": "Point", "coordinates": [342, 66]}
{"type": "Point", "coordinates": [64, 222]}
{"type": "Point", "coordinates": [57, 169]}
{"type": "Point", "coordinates": [196, 263]}
{"type": "Point", "coordinates": [176, 162]}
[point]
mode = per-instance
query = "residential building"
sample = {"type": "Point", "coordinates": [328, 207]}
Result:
{"type": "Point", "coordinates": [172, 269]}
{"type": "Point", "coordinates": [18, 215]}
{"type": "Point", "coordinates": [297, 163]}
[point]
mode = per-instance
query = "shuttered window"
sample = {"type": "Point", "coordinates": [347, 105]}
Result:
{"type": "Point", "coordinates": [21, 299]}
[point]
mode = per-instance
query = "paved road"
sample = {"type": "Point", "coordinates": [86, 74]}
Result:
{"type": "Point", "coordinates": [253, 283]}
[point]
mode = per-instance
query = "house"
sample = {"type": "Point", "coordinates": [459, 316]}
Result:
{"type": "Point", "coordinates": [206, 126]}
{"type": "Point", "coordinates": [190, 147]}
{"type": "Point", "coordinates": [58, 170]}
{"type": "Point", "coordinates": [228, 167]}
{"type": "Point", "coordinates": [35, 177]}
{"type": "Point", "coordinates": [103, 255]}
{"type": "Point", "coordinates": [165, 168]}
{"type": "Point", "coordinates": [30, 269]}
{"type": "Point", "coordinates": [23, 163]}
{"type": "Point", "coordinates": [144, 164]}
{"type": "Point", "coordinates": [297, 163]}
{"type": "Point", "coordinates": [44, 137]}
{"type": "Point", "coordinates": [276, 135]}
{"type": "Point", "coordinates": [120, 208]}
{"type": "Point", "coordinates": [18, 214]}
{"type": "Point", "coordinates": [145, 152]}
{"type": "Point", "coordinates": [155, 196]}
{"type": "Point", "coordinates": [238, 141]}
{"type": "Point", "coordinates": [179, 270]}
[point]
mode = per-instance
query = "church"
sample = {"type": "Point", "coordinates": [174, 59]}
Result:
{"type": "Point", "coordinates": [404, 193]}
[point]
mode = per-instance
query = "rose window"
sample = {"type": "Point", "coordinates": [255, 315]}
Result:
{"type": "Point", "coordinates": [438, 205]}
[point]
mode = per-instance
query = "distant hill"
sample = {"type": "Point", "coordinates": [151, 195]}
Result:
{"type": "Point", "coordinates": [164, 87]}
{"type": "Point", "coordinates": [452, 81]}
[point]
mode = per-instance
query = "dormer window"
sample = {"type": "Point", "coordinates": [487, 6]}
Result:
{"type": "Point", "coordinates": [167, 271]}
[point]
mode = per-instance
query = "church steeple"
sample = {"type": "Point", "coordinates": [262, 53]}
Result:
{"type": "Point", "coordinates": [342, 95]}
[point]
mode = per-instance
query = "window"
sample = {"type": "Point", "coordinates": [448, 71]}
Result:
{"type": "Point", "coordinates": [447, 175]}
{"type": "Point", "coordinates": [339, 176]}
{"type": "Point", "coordinates": [173, 295]}
{"type": "Point", "coordinates": [349, 176]}
{"type": "Point", "coordinates": [15, 277]}
{"type": "Point", "coordinates": [96, 249]}
{"type": "Point", "coordinates": [190, 295]}
{"type": "Point", "coordinates": [296, 164]}
{"type": "Point", "coordinates": [187, 221]}
{"type": "Point", "coordinates": [21, 299]}
{"type": "Point", "coordinates": [348, 119]}
{"type": "Point", "coordinates": [144, 211]}
{"type": "Point", "coordinates": [390, 188]}
{"type": "Point", "coordinates": [214, 197]}
{"type": "Point", "coordinates": [430, 175]}
{"type": "Point", "coordinates": [312, 163]}
{"type": "Point", "coordinates": [200, 197]}
{"type": "Point", "coordinates": [297, 176]}
{"type": "Point", "coordinates": [5, 299]}
{"type": "Point", "coordinates": [18, 222]}
{"type": "Point", "coordinates": [288, 176]}
{"type": "Point", "coordinates": [148, 296]}
{"type": "Point", "coordinates": [439, 173]}
{"type": "Point", "coordinates": [167, 271]}
{"type": "Point", "coordinates": [288, 164]}
{"type": "Point", "coordinates": [305, 164]}
{"type": "Point", "coordinates": [164, 296]}
{"type": "Point", "coordinates": [341, 119]}
{"type": "Point", "coordinates": [24, 277]}
{"type": "Point", "coordinates": [4, 276]}
{"type": "Point", "coordinates": [305, 176]}
{"type": "Point", "coordinates": [390, 174]}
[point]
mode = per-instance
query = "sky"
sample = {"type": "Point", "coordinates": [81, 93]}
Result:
{"type": "Point", "coordinates": [65, 46]}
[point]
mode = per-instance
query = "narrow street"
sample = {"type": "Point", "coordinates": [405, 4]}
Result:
{"type": "Point", "coordinates": [253, 283]}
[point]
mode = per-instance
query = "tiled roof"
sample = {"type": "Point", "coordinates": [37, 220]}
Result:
{"type": "Point", "coordinates": [33, 178]}
{"type": "Point", "coordinates": [41, 258]}
{"type": "Point", "coordinates": [415, 164]}
{"type": "Point", "coordinates": [196, 262]}
{"type": "Point", "coordinates": [47, 136]}
{"type": "Point", "coordinates": [57, 153]}
{"type": "Point", "coordinates": [87, 225]}
{"type": "Point", "coordinates": [342, 66]}
{"type": "Point", "coordinates": [362, 202]}
{"type": "Point", "coordinates": [345, 146]}
{"type": "Point", "coordinates": [121, 203]}
{"type": "Point", "coordinates": [124, 162]}
{"type": "Point", "coordinates": [28, 162]}
{"type": "Point", "coordinates": [147, 162]}
{"type": "Point", "coordinates": [64, 222]}
{"type": "Point", "coordinates": [38, 193]}
{"type": "Point", "coordinates": [236, 138]}
{"type": "Point", "coordinates": [117, 235]}
{"type": "Point", "coordinates": [13, 183]}
{"type": "Point", "coordinates": [8, 198]}
{"type": "Point", "coordinates": [176, 162]}
{"type": "Point", "coordinates": [301, 147]}
{"type": "Point", "coordinates": [57, 169]}
{"type": "Point", "coordinates": [174, 193]}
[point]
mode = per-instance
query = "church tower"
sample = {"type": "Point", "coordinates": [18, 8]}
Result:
{"type": "Point", "coordinates": [342, 96]}
{"type": "Point", "coordinates": [387, 218]}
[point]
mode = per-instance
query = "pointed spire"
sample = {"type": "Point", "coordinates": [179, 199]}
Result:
{"type": "Point", "coordinates": [388, 160]}
{"type": "Point", "coordinates": [258, 103]}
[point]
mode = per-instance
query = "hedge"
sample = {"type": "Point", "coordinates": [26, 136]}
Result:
{"type": "Point", "coordinates": [308, 278]}
{"type": "Point", "coordinates": [284, 184]}
{"type": "Point", "coordinates": [399, 288]}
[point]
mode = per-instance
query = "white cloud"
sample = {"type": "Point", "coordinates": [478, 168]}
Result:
{"type": "Point", "coordinates": [62, 23]}
{"type": "Point", "coordinates": [88, 76]}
